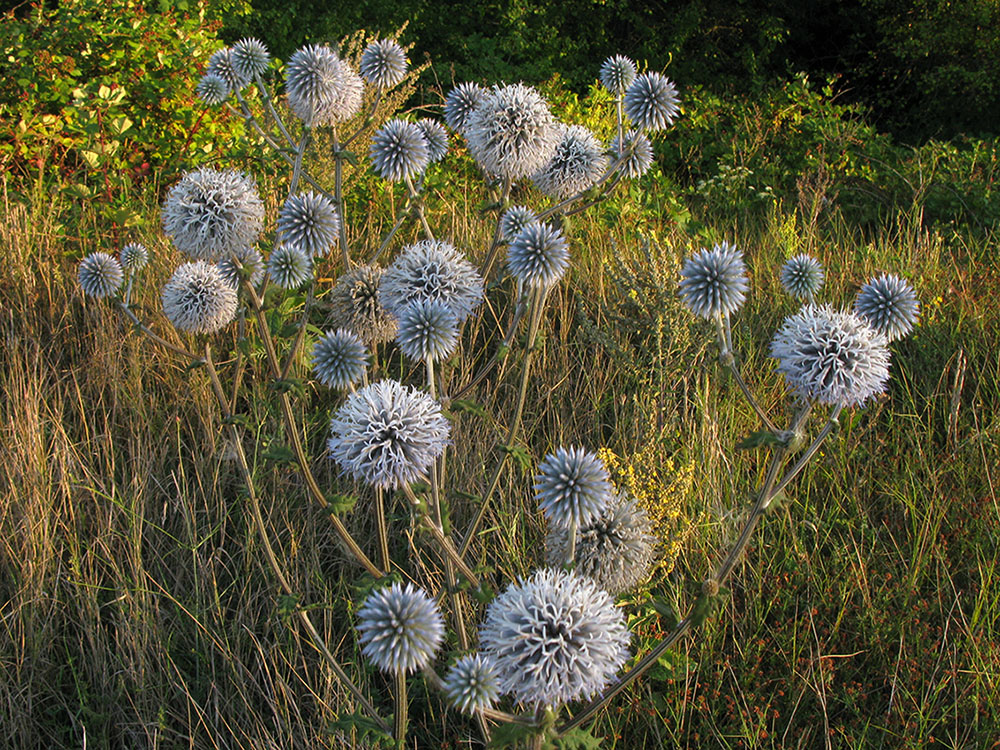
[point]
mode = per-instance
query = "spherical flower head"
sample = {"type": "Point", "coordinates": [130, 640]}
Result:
{"type": "Point", "coordinates": [247, 261]}
{"type": "Point", "coordinates": [383, 63]}
{"type": "Point", "coordinates": [616, 548]}
{"type": "Point", "coordinates": [339, 359]}
{"type": "Point", "coordinates": [197, 299]}
{"type": "Point", "coordinates": [100, 275]}
{"type": "Point", "coordinates": [889, 304]}
{"type": "Point", "coordinates": [576, 164]}
{"type": "Point", "coordinates": [637, 149]}
{"type": "Point", "coordinates": [832, 357]}
{"type": "Point", "coordinates": [572, 487]}
{"type": "Point", "coordinates": [212, 89]}
{"type": "Point", "coordinates": [388, 434]}
{"type": "Point", "coordinates": [399, 150]}
{"type": "Point", "coordinates": [134, 257]}
{"type": "Point", "coordinates": [471, 684]}
{"type": "Point", "coordinates": [436, 137]}
{"type": "Point", "coordinates": [802, 276]}
{"type": "Point", "coordinates": [539, 255]}
{"type": "Point", "coordinates": [400, 628]}
{"type": "Point", "coordinates": [651, 102]}
{"type": "Point", "coordinates": [221, 64]}
{"type": "Point", "coordinates": [460, 103]}
{"type": "Point", "coordinates": [714, 282]}
{"type": "Point", "coordinates": [354, 305]}
{"type": "Point", "coordinates": [512, 133]}
{"type": "Point", "coordinates": [250, 58]}
{"type": "Point", "coordinates": [310, 222]}
{"type": "Point", "coordinates": [617, 74]}
{"type": "Point", "coordinates": [515, 219]}
{"type": "Point", "coordinates": [322, 89]}
{"type": "Point", "coordinates": [554, 638]}
{"type": "Point", "coordinates": [210, 213]}
{"type": "Point", "coordinates": [427, 330]}
{"type": "Point", "coordinates": [431, 270]}
{"type": "Point", "coordinates": [289, 267]}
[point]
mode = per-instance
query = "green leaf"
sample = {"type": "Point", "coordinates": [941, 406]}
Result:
{"type": "Point", "coordinates": [667, 612]}
{"type": "Point", "coordinates": [92, 158]}
{"type": "Point", "coordinates": [576, 739]}
{"type": "Point", "coordinates": [238, 419]}
{"type": "Point", "coordinates": [469, 407]}
{"type": "Point", "coordinates": [519, 454]}
{"type": "Point", "coordinates": [339, 503]}
{"type": "Point", "coordinates": [279, 453]}
{"type": "Point", "coordinates": [289, 385]}
{"type": "Point", "coordinates": [511, 735]}
{"type": "Point", "coordinates": [361, 723]}
{"type": "Point", "coordinates": [760, 439]}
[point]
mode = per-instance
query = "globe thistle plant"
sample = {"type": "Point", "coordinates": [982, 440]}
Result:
{"type": "Point", "coordinates": [289, 267]}
{"type": "Point", "coordinates": [539, 255]}
{"type": "Point", "coordinates": [460, 103]}
{"type": "Point", "coordinates": [617, 74]}
{"type": "Point", "coordinates": [388, 434]}
{"type": "Point", "coordinates": [889, 304]}
{"type": "Point", "coordinates": [576, 164]}
{"type": "Point", "coordinates": [714, 282]}
{"type": "Point", "coordinates": [355, 305]}
{"type": "Point", "coordinates": [248, 262]}
{"type": "Point", "coordinates": [100, 275]}
{"type": "Point", "coordinates": [310, 222]}
{"type": "Point", "coordinates": [212, 89]}
{"type": "Point", "coordinates": [572, 487]}
{"type": "Point", "coordinates": [431, 270]}
{"type": "Point", "coordinates": [471, 684]}
{"type": "Point", "coordinates": [399, 150]}
{"type": "Point", "coordinates": [197, 299]}
{"type": "Point", "coordinates": [400, 628]}
{"type": "Point", "coordinates": [515, 219]}
{"type": "Point", "coordinates": [221, 64]}
{"type": "Point", "coordinates": [831, 357]}
{"type": "Point", "coordinates": [339, 359]}
{"type": "Point", "coordinates": [322, 89]}
{"type": "Point", "coordinates": [802, 277]}
{"type": "Point", "coordinates": [250, 58]}
{"type": "Point", "coordinates": [637, 149]}
{"type": "Point", "coordinates": [134, 257]}
{"type": "Point", "coordinates": [436, 137]}
{"type": "Point", "coordinates": [210, 214]}
{"type": "Point", "coordinates": [554, 638]}
{"type": "Point", "coordinates": [427, 330]}
{"type": "Point", "coordinates": [651, 102]}
{"type": "Point", "coordinates": [383, 63]}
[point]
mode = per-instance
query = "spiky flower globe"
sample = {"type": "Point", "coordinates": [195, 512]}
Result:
{"type": "Point", "coordinates": [802, 276]}
{"type": "Point", "coordinates": [221, 64]}
{"type": "Point", "coordinates": [134, 257]}
{"type": "Point", "coordinates": [388, 434]}
{"type": "Point", "coordinates": [197, 299]}
{"type": "Point", "coordinates": [889, 304]}
{"type": "Point", "coordinates": [309, 221]}
{"type": "Point", "coordinates": [577, 163]}
{"type": "Point", "coordinates": [427, 330]}
{"type": "Point", "coordinates": [383, 63]}
{"type": "Point", "coordinates": [248, 262]}
{"type": "Point", "coordinates": [617, 74]}
{"type": "Point", "coordinates": [637, 149]}
{"type": "Point", "coordinates": [460, 103]}
{"type": "Point", "coordinates": [554, 638]}
{"type": "Point", "coordinates": [210, 213]}
{"type": "Point", "coordinates": [539, 255]}
{"type": "Point", "coordinates": [400, 628]}
{"type": "Point", "coordinates": [436, 137]}
{"type": "Point", "coordinates": [651, 102]}
{"type": "Point", "coordinates": [212, 89]}
{"type": "Point", "coordinates": [515, 219]}
{"type": "Point", "coordinates": [322, 89]}
{"type": "Point", "coordinates": [572, 487]}
{"type": "Point", "coordinates": [399, 150]}
{"type": "Point", "coordinates": [471, 684]}
{"type": "Point", "coordinates": [830, 356]}
{"type": "Point", "coordinates": [250, 58]}
{"type": "Point", "coordinates": [512, 133]}
{"type": "Point", "coordinates": [714, 282]}
{"type": "Point", "coordinates": [616, 549]}
{"type": "Point", "coordinates": [354, 305]}
{"type": "Point", "coordinates": [431, 270]}
{"type": "Point", "coordinates": [339, 359]}
{"type": "Point", "coordinates": [289, 267]}
{"type": "Point", "coordinates": [100, 275]}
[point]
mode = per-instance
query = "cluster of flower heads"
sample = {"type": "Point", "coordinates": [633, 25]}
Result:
{"type": "Point", "coordinates": [400, 628]}
{"type": "Point", "coordinates": [431, 270]}
{"type": "Point", "coordinates": [714, 282]}
{"type": "Point", "coordinates": [232, 68]}
{"type": "Point", "coordinates": [322, 89]}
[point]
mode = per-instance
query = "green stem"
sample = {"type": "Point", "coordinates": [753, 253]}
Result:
{"type": "Point", "coordinates": [400, 715]}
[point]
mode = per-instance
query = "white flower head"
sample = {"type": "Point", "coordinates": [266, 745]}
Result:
{"type": "Point", "coordinates": [322, 89]}
{"type": "Point", "coordinates": [100, 275]}
{"type": "Point", "coordinates": [889, 304]}
{"type": "Point", "coordinates": [400, 628]}
{"type": "Point", "coordinates": [289, 267]}
{"type": "Point", "coordinates": [354, 305]}
{"type": "Point", "coordinates": [802, 276]}
{"type": "Point", "coordinates": [471, 684]}
{"type": "Point", "coordinates": [246, 261]}
{"type": "Point", "coordinates": [310, 222]}
{"type": "Point", "coordinates": [572, 487]}
{"type": "Point", "coordinates": [539, 255]}
{"type": "Point", "coordinates": [339, 358]}
{"type": "Point", "coordinates": [714, 282]}
{"type": "Point", "coordinates": [637, 149]}
{"type": "Point", "coordinates": [436, 137]}
{"type": "Point", "coordinates": [460, 103]}
{"type": "Point", "coordinates": [427, 330]}
{"type": "Point", "coordinates": [576, 164]}
{"type": "Point", "coordinates": [383, 63]}
{"type": "Point", "coordinates": [399, 150]}
{"type": "Point", "coordinates": [651, 102]}
{"type": "Point", "coordinates": [250, 58]}
{"type": "Point", "coordinates": [221, 64]}
{"type": "Point", "coordinates": [198, 299]}
{"type": "Point", "coordinates": [431, 270]}
{"type": "Point", "coordinates": [617, 74]}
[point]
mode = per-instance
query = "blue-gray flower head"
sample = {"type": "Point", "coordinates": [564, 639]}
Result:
{"type": "Point", "coordinates": [289, 267]}
{"type": "Point", "coordinates": [431, 270]}
{"type": "Point", "coordinates": [134, 257]}
{"type": "Point", "coordinates": [250, 58]}
{"type": "Point", "coordinates": [221, 64]}
{"type": "Point", "coordinates": [539, 255]}
{"type": "Point", "coordinates": [309, 221]}
{"type": "Point", "coordinates": [383, 63]}
{"type": "Point", "coordinates": [212, 89]}
{"type": "Point", "coordinates": [436, 137]}
{"type": "Point", "coordinates": [322, 89]}
{"type": "Point", "coordinates": [714, 282]}
{"type": "Point", "coordinates": [100, 275]}
{"type": "Point", "coordinates": [616, 549]}
{"type": "Point", "coordinates": [210, 213]}
{"type": "Point", "coordinates": [512, 133]}
{"type": "Point", "coordinates": [471, 684]}
{"type": "Point", "coordinates": [651, 102]}
{"type": "Point", "coordinates": [400, 628]}
{"type": "Point", "coordinates": [635, 146]}
{"type": "Point", "coordinates": [515, 219]}
{"type": "Point", "coordinates": [388, 434]}
{"type": "Point", "coordinates": [889, 304]}
{"type": "Point", "coordinates": [831, 357]}
{"type": "Point", "coordinates": [427, 330]}
{"type": "Point", "coordinates": [197, 299]}
{"type": "Point", "coordinates": [572, 487]}
{"type": "Point", "coordinates": [577, 163]}
{"type": "Point", "coordinates": [554, 638]}
{"type": "Point", "coordinates": [354, 305]}
{"type": "Point", "coordinates": [399, 150]}
{"type": "Point", "coordinates": [617, 74]}
{"type": "Point", "coordinates": [460, 103]}
{"type": "Point", "coordinates": [339, 358]}
{"type": "Point", "coordinates": [802, 276]}
{"type": "Point", "coordinates": [247, 261]}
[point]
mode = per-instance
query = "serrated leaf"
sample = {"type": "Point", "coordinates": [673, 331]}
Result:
{"type": "Point", "coordinates": [238, 419]}
{"type": "Point", "coordinates": [338, 503]}
{"type": "Point", "coordinates": [289, 385]}
{"type": "Point", "coordinates": [469, 407]}
{"type": "Point", "coordinates": [279, 453]}
{"type": "Point", "coordinates": [519, 454]}
{"type": "Point", "coordinates": [576, 739]}
{"type": "Point", "coordinates": [667, 612]}
{"type": "Point", "coordinates": [511, 735]}
{"type": "Point", "coordinates": [361, 723]}
{"type": "Point", "coordinates": [760, 439]}
{"type": "Point", "coordinates": [194, 364]}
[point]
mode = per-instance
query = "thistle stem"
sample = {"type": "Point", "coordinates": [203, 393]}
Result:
{"type": "Point", "coordinates": [418, 206]}
{"type": "Point", "coordinates": [446, 546]}
{"type": "Point", "coordinates": [383, 529]}
{"type": "Point", "coordinates": [399, 717]}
